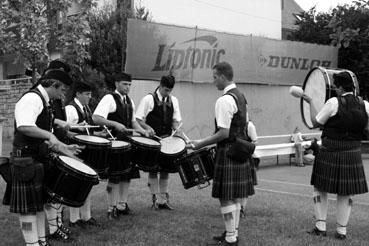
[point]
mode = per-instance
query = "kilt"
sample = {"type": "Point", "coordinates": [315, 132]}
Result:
{"type": "Point", "coordinates": [338, 168]}
{"type": "Point", "coordinates": [133, 174]}
{"type": "Point", "coordinates": [28, 197]}
{"type": "Point", "coordinates": [231, 179]}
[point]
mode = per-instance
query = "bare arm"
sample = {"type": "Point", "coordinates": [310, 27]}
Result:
{"type": "Point", "coordinates": [220, 135]}
{"type": "Point", "coordinates": [101, 121]}
{"type": "Point", "coordinates": [145, 126]}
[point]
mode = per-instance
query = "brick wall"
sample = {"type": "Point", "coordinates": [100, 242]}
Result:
{"type": "Point", "coordinates": [10, 91]}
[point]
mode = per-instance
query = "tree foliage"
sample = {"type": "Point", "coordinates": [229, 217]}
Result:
{"type": "Point", "coordinates": [346, 27]}
{"type": "Point", "coordinates": [30, 29]}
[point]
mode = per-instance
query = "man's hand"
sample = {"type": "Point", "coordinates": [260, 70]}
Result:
{"type": "Point", "coordinates": [120, 128]}
{"type": "Point", "coordinates": [193, 144]}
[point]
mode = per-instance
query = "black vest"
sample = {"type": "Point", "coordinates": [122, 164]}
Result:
{"type": "Point", "coordinates": [238, 123]}
{"type": "Point", "coordinates": [350, 120]}
{"type": "Point", "coordinates": [161, 117]}
{"type": "Point", "coordinates": [123, 114]}
{"type": "Point", "coordinates": [58, 108]}
{"type": "Point", "coordinates": [44, 121]}
{"type": "Point", "coordinates": [82, 116]}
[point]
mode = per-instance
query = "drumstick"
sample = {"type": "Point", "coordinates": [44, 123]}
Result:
{"type": "Point", "coordinates": [109, 132]}
{"type": "Point", "coordinates": [186, 138]}
{"type": "Point", "coordinates": [157, 137]}
{"type": "Point", "coordinates": [174, 132]}
{"type": "Point", "coordinates": [86, 126]}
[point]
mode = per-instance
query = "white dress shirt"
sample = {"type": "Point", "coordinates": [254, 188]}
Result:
{"type": "Point", "coordinates": [29, 107]}
{"type": "Point", "coordinates": [147, 105]}
{"type": "Point", "coordinates": [71, 112]}
{"type": "Point", "coordinates": [107, 105]}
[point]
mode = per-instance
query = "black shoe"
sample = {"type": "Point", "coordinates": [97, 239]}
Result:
{"type": "Point", "coordinates": [223, 243]}
{"type": "Point", "coordinates": [154, 203]}
{"type": "Point", "coordinates": [92, 223]}
{"type": "Point", "coordinates": [44, 243]}
{"type": "Point", "coordinates": [113, 215]}
{"type": "Point", "coordinates": [317, 232]}
{"type": "Point", "coordinates": [59, 235]}
{"type": "Point", "coordinates": [65, 229]}
{"type": "Point", "coordinates": [339, 236]}
{"type": "Point", "coordinates": [125, 211]}
{"type": "Point", "coordinates": [78, 223]}
{"type": "Point", "coordinates": [165, 206]}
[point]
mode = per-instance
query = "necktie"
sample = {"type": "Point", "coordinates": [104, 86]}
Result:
{"type": "Point", "coordinates": [124, 100]}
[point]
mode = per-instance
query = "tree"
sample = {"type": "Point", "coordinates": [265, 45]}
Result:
{"type": "Point", "coordinates": [30, 29]}
{"type": "Point", "coordinates": [346, 27]}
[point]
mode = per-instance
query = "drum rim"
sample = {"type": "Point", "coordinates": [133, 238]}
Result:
{"type": "Point", "coordinates": [66, 166]}
{"type": "Point", "coordinates": [327, 91]}
{"type": "Point", "coordinates": [92, 143]}
{"type": "Point", "coordinates": [128, 146]}
{"type": "Point", "coordinates": [144, 144]}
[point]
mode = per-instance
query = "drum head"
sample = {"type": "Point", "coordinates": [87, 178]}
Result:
{"type": "Point", "coordinates": [172, 145]}
{"type": "Point", "coordinates": [77, 165]}
{"type": "Point", "coordinates": [145, 141]}
{"type": "Point", "coordinates": [92, 139]}
{"type": "Point", "coordinates": [119, 144]}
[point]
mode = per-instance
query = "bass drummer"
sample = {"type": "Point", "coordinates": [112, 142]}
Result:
{"type": "Point", "coordinates": [116, 110]}
{"type": "Point", "coordinates": [78, 113]}
{"type": "Point", "coordinates": [159, 113]}
{"type": "Point", "coordinates": [338, 167]}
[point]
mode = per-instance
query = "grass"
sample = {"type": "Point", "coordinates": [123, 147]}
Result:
{"type": "Point", "coordinates": [271, 218]}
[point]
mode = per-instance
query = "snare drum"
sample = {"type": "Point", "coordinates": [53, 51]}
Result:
{"type": "Point", "coordinates": [96, 152]}
{"type": "Point", "coordinates": [171, 149]}
{"type": "Point", "coordinates": [145, 152]}
{"type": "Point", "coordinates": [318, 85]}
{"type": "Point", "coordinates": [69, 181]}
{"type": "Point", "coordinates": [120, 158]}
{"type": "Point", "coordinates": [197, 167]}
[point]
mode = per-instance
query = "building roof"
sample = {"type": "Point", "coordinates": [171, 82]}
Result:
{"type": "Point", "coordinates": [289, 11]}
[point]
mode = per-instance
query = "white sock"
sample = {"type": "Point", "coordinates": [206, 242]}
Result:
{"type": "Point", "coordinates": [320, 209]}
{"type": "Point", "coordinates": [229, 221]}
{"type": "Point", "coordinates": [123, 195]}
{"type": "Point", "coordinates": [41, 227]}
{"type": "Point", "coordinates": [113, 193]}
{"type": "Point", "coordinates": [86, 209]}
{"type": "Point", "coordinates": [236, 215]}
{"type": "Point", "coordinates": [28, 225]}
{"type": "Point", "coordinates": [163, 187]}
{"type": "Point", "coordinates": [59, 214]}
{"type": "Point", "coordinates": [74, 214]}
{"type": "Point", "coordinates": [244, 202]}
{"type": "Point", "coordinates": [344, 204]}
{"type": "Point", "coordinates": [51, 215]}
{"type": "Point", "coordinates": [153, 183]}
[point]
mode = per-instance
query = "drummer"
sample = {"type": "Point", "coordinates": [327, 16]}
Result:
{"type": "Point", "coordinates": [344, 119]}
{"type": "Point", "coordinates": [117, 111]}
{"type": "Point", "coordinates": [159, 113]}
{"type": "Point", "coordinates": [232, 177]}
{"type": "Point", "coordinates": [78, 113]}
{"type": "Point", "coordinates": [32, 141]}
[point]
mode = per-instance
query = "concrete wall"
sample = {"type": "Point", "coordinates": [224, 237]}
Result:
{"type": "Point", "coordinates": [273, 110]}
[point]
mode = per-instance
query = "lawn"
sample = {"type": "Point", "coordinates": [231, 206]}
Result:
{"type": "Point", "coordinates": [279, 214]}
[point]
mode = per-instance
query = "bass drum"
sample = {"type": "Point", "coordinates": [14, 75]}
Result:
{"type": "Point", "coordinates": [318, 85]}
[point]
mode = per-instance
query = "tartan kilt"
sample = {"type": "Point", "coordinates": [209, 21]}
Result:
{"type": "Point", "coordinates": [338, 168]}
{"type": "Point", "coordinates": [231, 179]}
{"type": "Point", "coordinates": [133, 174]}
{"type": "Point", "coordinates": [28, 197]}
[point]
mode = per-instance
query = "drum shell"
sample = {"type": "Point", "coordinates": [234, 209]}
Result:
{"type": "Point", "coordinates": [196, 168]}
{"type": "Point", "coordinates": [95, 155]}
{"type": "Point", "coordinates": [145, 156]}
{"type": "Point", "coordinates": [120, 160]}
{"type": "Point", "coordinates": [5, 170]}
{"type": "Point", "coordinates": [67, 185]}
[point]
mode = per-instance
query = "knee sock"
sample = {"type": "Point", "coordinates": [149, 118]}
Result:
{"type": "Point", "coordinates": [163, 187]}
{"type": "Point", "coordinates": [243, 202]}
{"type": "Point", "coordinates": [113, 193]}
{"type": "Point", "coordinates": [236, 215]}
{"type": "Point", "coordinates": [123, 194]}
{"type": "Point", "coordinates": [320, 209]}
{"type": "Point", "coordinates": [59, 213]}
{"type": "Point", "coordinates": [28, 225]}
{"type": "Point", "coordinates": [74, 214]}
{"type": "Point", "coordinates": [51, 215]}
{"type": "Point", "coordinates": [344, 205]}
{"type": "Point", "coordinates": [153, 183]}
{"type": "Point", "coordinates": [40, 220]}
{"type": "Point", "coordinates": [86, 209]}
{"type": "Point", "coordinates": [229, 221]}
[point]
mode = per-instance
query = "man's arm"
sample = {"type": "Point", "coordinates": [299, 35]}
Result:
{"type": "Point", "coordinates": [220, 135]}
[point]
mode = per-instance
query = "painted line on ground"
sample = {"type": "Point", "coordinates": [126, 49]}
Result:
{"type": "Point", "coordinates": [283, 182]}
{"type": "Point", "coordinates": [304, 195]}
